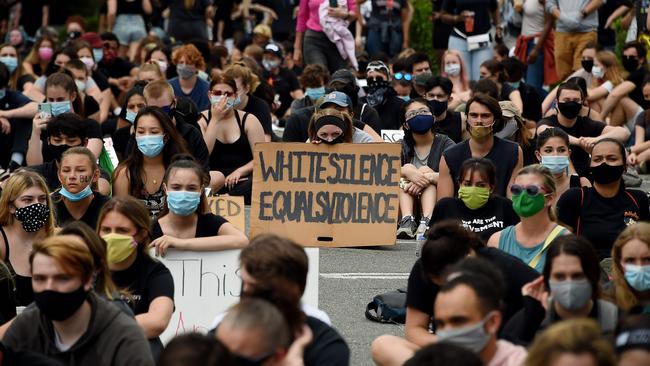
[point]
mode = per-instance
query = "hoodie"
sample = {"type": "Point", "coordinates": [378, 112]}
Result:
{"type": "Point", "coordinates": [112, 338]}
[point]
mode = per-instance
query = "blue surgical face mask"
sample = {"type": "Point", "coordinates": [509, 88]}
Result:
{"type": "Point", "coordinates": [203, 75]}
{"type": "Point", "coordinates": [60, 107]}
{"type": "Point", "coordinates": [74, 197]}
{"type": "Point", "coordinates": [555, 163]}
{"type": "Point", "coordinates": [315, 93]}
{"type": "Point", "coordinates": [638, 277]}
{"type": "Point", "coordinates": [183, 203]}
{"type": "Point", "coordinates": [130, 116]}
{"type": "Point", "coordinates": [232, 103]}
{"type": "Point", "coordinates": [98, 53]}
{"type": "Point", "coordinates": [150, 145]}
{"type": "Point", "coordinates": [405, 98]}
{"type": "Point", "coordinates": [420, 124]}
{"type": "Point", "coordinates": [10, 62]}
{"type": "Point", "coordinates": [214, 99]}
{"type": "Point", "coordinates": [3, 92]}
{"type": "Point", "coordinates": [514, 85]}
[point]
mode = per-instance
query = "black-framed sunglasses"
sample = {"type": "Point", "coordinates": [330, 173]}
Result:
{"type": "Point", "coordinates": [531, 190]}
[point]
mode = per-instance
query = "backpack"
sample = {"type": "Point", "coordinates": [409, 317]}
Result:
{"type": "Point", "coordinates": [389, 307]}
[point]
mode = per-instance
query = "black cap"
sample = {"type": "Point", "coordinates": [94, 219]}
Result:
{"type": "Point", "coordinates": [344, 75]}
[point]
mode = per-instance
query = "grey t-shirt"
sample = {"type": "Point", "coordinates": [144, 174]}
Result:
{"type": "Point", "coordinates": [361, 137]}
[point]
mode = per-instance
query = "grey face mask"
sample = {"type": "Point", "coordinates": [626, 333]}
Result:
{"type": "Point", "coordinates": [472, 337]}
{"type": "Point", "coordinates": [184, 71]}
{"type": "Point", "coordinates": [571, 295]}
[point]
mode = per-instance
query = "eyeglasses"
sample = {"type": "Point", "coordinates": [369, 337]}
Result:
{"type": "Point", "coordinates": [531, 190]}
{"type": "Point", "coordinates": [218, 93]}
{"type": "Point", "coordinates": [418, 112]}
{"type": "Point", "coordinates": [400, 76]}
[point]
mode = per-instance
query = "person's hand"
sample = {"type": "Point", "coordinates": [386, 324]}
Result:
{"type": "Point", "coordinates": [337, 12]}
{"type": "Point", "coordinates": [532, 56]}
{"type": "Point", "coordinates": [632, 158]}
{"type": "Point", "coordinates": [587, 143]}
{"type": "Point", "coordinates": [125, 83]}
{"type": "Point", "coordinates": [466, 14]}
{"type": "Point", "coordinates": [436, 15]}
{"type": "Point", "coordinates": [219, 109]}
{"type": "Point", "coordinates": [413, 189]}
{"type": "Point", "coordinates": [162, 244]}
{"type": "Point", "coordinates": [5, 126]}
{"type": "Point", "coordinates": [537, 290]}
{"type": "Point", "coordinates": [419, 179]}
{"type": "Point", "coordinates": [295, 354]}
{"type": "Point", "coordinates": [39, 123]}
{"type": "Point", "coordinates": [233, 179]}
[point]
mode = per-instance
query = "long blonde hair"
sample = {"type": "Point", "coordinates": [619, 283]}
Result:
{"type": "Point", "coordinates": [624, 295]}
{"type": "Point", "coordinates": [613, 73]}
{"type": "Point", "coordinates": [464, 79]}
{"type": "Point", "coordinates": [548, 180]}
{"type": "Point", "coordinates": [18, 183]}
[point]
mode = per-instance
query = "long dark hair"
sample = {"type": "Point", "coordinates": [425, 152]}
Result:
{"type": "Point", "coordinates": [409, 141]}
{"type": "Point", "coordinates": [187, 161]}
{"type": "Point", "coordinates": [134, 162]}
{"type": "Point", "coordinates": [578, 247]}
{"type": "Point", "coordinates": [483, 166]}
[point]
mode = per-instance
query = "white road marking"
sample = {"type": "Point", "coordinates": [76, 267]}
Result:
{"type": "Point", "coordinates": [366, 275]}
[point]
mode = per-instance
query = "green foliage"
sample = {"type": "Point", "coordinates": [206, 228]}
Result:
{"type": "Point", "coordinates": [422, 29]}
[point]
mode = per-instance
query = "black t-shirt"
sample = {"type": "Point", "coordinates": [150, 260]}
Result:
{"type": "Point", "coordinates": [643, 120]}
{"type": "Point", "coordinates": [601, 219]}
{"type": "Point", "coordinates": [327, 348]}
{"type": "Point", "coordinates": [389, 111]}
{"type": "Point", "coordinates": [121, 138]}
{"type": "Point", "coordinates": [532, 102]}
{"type": "Point", "coordinates": [583, 127]}
{"type": "Point", "coordinates": [481, 9]}
{"type": "Point", "coordinates": [422, 292]}
{"type": "Point", "coordinates": [24, 79]}
{"type": "Point", "coordinates": [504, 155]}
{"type": "Point", "coordinates": [494, 216]}
{"type": "Point", "coordinates": [224, 14]}
{"type": "Point", "coordinates": [452, 126]}
{"type": "Point", "coordinates": [116, 69]}
{"type": "Point", "coordinates": [506, 90]}
{"type": "Point", "coordinates": [32, 15]}
{"type": "Point", "coordinates": [100, 80]}
{"type": "Point", "coordinates": [146, 280]}
{"type": "Point", "coordinates": [89, 217]}
{"type": "Point", "coordinates": [90, 106]}
{"type": "Point", "coordinates": [283, 83]}
{"type": "Point", "coordinates": [206, 225]}
{"type": "Point", "coordinates": [641, 16]}
{"type": "Point", "coordinates": [607, 37]}
{"type": "Point", "coordinates": [637, 77]}
{"type": "Point", "coordinates": [129, 7]}
{"type": "Point", "coordinates": [258, 108]}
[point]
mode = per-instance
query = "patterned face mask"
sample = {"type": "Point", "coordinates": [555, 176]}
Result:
{"type": "Point", "coordinates": [33, 217]}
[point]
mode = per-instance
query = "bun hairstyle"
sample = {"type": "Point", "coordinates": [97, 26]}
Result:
{"type": "Point", "coordinates": [187, 161]}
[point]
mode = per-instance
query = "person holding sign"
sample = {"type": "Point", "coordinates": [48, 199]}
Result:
{"type": "Point", "coordinates": [230, 135]}
{"type": "Point", "coordinates": [141, 174]}
{"type": "Point", "coordinates": [421, 152]}
{"type": "Point", "coordinates": [184, 224]}
{"type": "Point", "coordinates": [484, 119]}
{"type": "Point", "coordinates": [533, 194]}
{"type": "Point", "coordinates": [76, 200]}
{"type": "Point", "coordinates": [329, 125]}
{"type": "Point", "coordinates": [477, 207]}
{"type": "Point", "coordinates": [124, 225]}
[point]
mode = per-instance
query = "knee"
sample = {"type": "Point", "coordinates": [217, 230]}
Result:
{"type": "Point", "coordinates": [382, 348]}
{"type": "Point", "coordinates": [217, 180]}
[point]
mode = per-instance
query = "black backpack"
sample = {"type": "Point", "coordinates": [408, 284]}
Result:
{"type": "Point", "coordinates": [389, 307]}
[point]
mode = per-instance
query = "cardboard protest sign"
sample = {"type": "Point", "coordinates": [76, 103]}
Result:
{"type": "Point", "coordinates": [392, 135]}
{"type": "Point", "coordinates": [206, 284]}
{"type": "Point", "coordinates": [230, 208]}
{"type": "Point", "coordinates": [326, 195]}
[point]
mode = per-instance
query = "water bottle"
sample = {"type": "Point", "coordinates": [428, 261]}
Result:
{"type": "Point", "coordinates": [420, 239]}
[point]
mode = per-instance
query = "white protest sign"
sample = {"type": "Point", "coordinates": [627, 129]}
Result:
{"type": "Point", "coordinates": [206, 284]}
{"type": "Point", "coordinates": [110, 150]}
{"type": "Point", "coordinates": [392, 135]}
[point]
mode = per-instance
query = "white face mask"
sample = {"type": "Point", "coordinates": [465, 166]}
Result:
{"type": "Point", "coordinates": [597, 72]}
{"type": "Point", "coordinates": [452, 69]}
{"type": "Point", "coordinates": [81, 85]}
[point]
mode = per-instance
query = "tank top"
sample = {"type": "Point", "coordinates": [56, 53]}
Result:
{"type": "Point", "coordinates": [23, 290]}
{"type": "Point", "coordinates": [509, 244]}
{"type": "Point", "coordinates": [227, 158]}
{"type": "Point", "coordinates": [154, 202]}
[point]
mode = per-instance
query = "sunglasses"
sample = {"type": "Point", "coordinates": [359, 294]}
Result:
{"type": "Point", "coordinates": [401, 75]}
{"type": "Point", "coordinates": [531, 190]}
{"type": "Point", "coordinates": [218, 93]}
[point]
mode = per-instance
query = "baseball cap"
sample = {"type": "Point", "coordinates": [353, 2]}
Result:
{"type": "Point", "coordinates": [93, 39]}
{"type": "Point", "coordinates": [273, 48]}
{"type": "Point", "coordinates": [378, 66]}
{"type": "Point", "coordinates": [509, 109]}
{"type": "Point", "coordinates": [345, 76]}
{"type": "Point", "coordinates": [336, 97]}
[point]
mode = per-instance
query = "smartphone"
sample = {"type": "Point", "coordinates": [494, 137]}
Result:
{"type": "Point", "coordinates": [45, 109]}
{"type": "Point", "coordinates": [334, 3]}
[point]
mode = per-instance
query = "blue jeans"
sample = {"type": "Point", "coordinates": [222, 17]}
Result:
{"type": "Point", "coordinates": [535, 72]}
{"type": "Point", "coordinates": [473, 59]}
{"type": "Point", "coordinates": [390, 44]}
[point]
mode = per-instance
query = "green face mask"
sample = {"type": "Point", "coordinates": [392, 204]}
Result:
{"type": "Point", "coordinates": [474, 197]}
{"type": "Point", "coordinates": [526, 205]}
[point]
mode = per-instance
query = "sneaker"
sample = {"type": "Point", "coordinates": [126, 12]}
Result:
{"type": "Point", "coordinates": [407, 228]}
{"type": "Point", "coordinates": [631, 179]}
{"type": "Point", "coordinates": [424, 226]}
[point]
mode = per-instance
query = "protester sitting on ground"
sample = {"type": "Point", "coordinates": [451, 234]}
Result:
{"type": "Point", "coordinates": [62, 92]}
{"type": "Point", "coordinates": [160, 94]}
{"type": "Point", "coordinates": [444, 354]}
{"type": "Point", "coordinates": [64, 132]}
{"type": "Point", "coordinates": [568, 288]}
{"type": "Point", "coordinates": [438, 92]}
{"type": "Point", "coordinates": [88, 48]}
{"type": "Point", "coordinates": [422, 149]}
{"type": "Point", "coordinates": [230, 135]}
{"type": "Point", "coordinates": [583, 132]}
{"type": "Point", "coordinates": [91, 97]}
{"type": "Point", "coordinates": [553, 152]}
{"type": "Point", "coordinates": [533, 194]}
{"type": "Point", "coordinates": [76, 200]}
{"type": "Point", "coordinates": [454, 68]}
{"type": "Point", "coordinates": [381, 96]}
{"type": "Point", "coordinates": [606, 76]}
{"type": "Point", "coordinates": [284, 81]}
{"type": "Point", "coordinates": [600, 213]}
{"type": "Point", "coordinates": [493, 70]}
{"type": "Point", "coordinates": [188, 61]}
{"type": "Point", "coordinates": [484, 119]}
{"type": "Point", "coordinates": [640, 151]}
{"type": "Point", "coordinates": [192, 349]}
{"type": "Point", "coordinates": [313, 80]}
{"type": "Point", "coordinates": [19, 80]}
{"type": "Point", "coordinates": [585, 110]}
{"type": "Point", "coordinates": [140, 175]}
{"type": "Point", "coordinates": [150, 72]}
{"type": "Point", "coordinates": [332, 126]}
{"type": "Point", "coordinates": [40, 56]}
{"type": "Point", "coordinates": [631, 340]}
{"type": "Point", "coordinates": [185, 222]}
{"type": "Point", "coordinates": [70, 322]}
{"type": "Point", "coordinates": [25, 217]}
{"type": "Point", "coordinates": [571, 342]}
{"type": "Point", "coordinates": [477, 207]}
{"type": "Point", "coordinates": [124, 224]}
{"type": "Point", "coordinates": [447, 244]}
{"type": "Point", "coordinates": [133, 103]}
{"type": "Point", "coordinates": [630, 267]}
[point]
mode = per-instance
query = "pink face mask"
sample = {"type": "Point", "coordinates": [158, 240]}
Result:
{"type": "Point", "coordinates": [88, 61]}
{"type": "Point", "coordinates": [45, 53]}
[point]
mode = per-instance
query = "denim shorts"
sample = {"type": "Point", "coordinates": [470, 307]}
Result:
{"type": "Point", "coordinates": [129, 28]}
